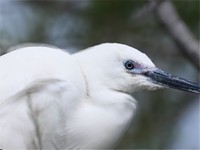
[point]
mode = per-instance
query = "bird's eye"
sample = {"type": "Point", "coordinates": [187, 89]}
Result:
{"type": "Point", "coordinates": [129, 64]}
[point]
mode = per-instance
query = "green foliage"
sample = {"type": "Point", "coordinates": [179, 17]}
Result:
{"type": "Point", "coordinates": [102, 12]}
{"type": "Point", "coordinates": [189, 12]}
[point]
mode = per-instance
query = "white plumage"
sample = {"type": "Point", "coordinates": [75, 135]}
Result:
{"type": "Point", "coordinates": [52, 100]}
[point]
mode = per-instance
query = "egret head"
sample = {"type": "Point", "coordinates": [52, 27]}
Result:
{"type": "Point", "coordinates": [125, 69]}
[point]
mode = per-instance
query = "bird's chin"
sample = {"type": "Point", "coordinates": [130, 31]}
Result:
{"type": "Point", "coordinates": [149, 87]}
{"type": "Point", "coordinates": [154, 87]}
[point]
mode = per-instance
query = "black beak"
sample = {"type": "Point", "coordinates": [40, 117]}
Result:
{"type": "Point", "coordinates": [167, 80]}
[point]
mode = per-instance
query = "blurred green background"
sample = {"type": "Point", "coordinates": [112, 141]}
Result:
{"type": "Point", "coordinates": [165, 119]}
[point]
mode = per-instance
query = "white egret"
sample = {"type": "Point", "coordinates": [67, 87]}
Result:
{"type": "Point", "coordinates": [52, 100]}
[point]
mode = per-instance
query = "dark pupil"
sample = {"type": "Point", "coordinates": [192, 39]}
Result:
{"type": "Point", "coordinates": [129, 65]}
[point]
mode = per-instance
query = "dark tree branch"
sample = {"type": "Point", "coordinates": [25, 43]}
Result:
{"type": "Point", "coordinates": [187, 43]}
{"type": "Point", "coordinates": [143, 11]}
